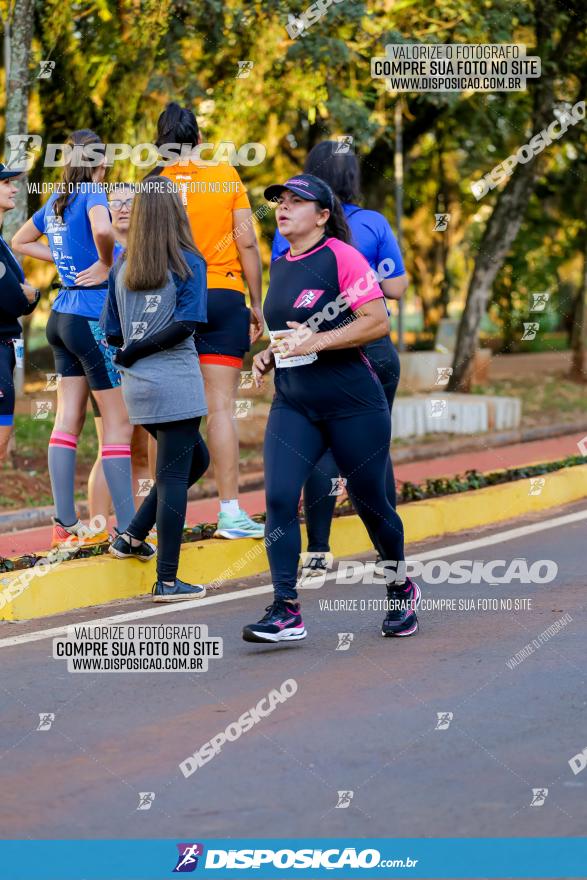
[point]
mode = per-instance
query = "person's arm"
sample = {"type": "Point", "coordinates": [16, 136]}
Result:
{"type": "Point", "coordinates": [13, 298]}
{"type": "Point", "coordinates": [393, 279]}
{"type": "Point", "coordinates": [250, 259]}
{"type": "Point", "coordinates": [190, 309]}
{"type": "Point", "coordinates": [33, 295]}
{"type": "Point", "coordinates": [110, 318]}
{"type": "Point", "coordinates": [26, 241]}
{"type": "Point", "coordinates": [248, 251]}
{"type": "Point", "coordinates": [103, 236]}
{"type": "Point", "coordinates": [102, 233]}
{"type": "Point", "coordinates": [263, 363]}
{"type": "Point", "coordinates": [394, 288]}
{"type": "Point", "coordinates": [359, 293]}
{"type": "Point", "coordinates": [370, 323]}
{"type": "Point", "coordinates": [164, 339]}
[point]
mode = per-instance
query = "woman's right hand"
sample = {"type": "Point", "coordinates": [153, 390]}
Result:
{"type": "Point", "coordinates": [257, 324]}
{"type": "Point", "coordinates": [93, 275]}
{"type": "Point", "coordinates": [263, 362]}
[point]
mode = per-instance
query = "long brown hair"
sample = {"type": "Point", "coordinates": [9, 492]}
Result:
{"type": "Point", "coordinates": [159, 230]}
{"type": "Point", "coordinates": [74, 173]}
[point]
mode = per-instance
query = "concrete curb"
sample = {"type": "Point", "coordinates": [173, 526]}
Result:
{"type": "Point", "coordinates": [30, 518]}
{"type": "Point", "coordinates": [85, 583]}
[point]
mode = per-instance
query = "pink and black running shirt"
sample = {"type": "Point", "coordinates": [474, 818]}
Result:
{"type": "Point", "coordinates": [331, 280]}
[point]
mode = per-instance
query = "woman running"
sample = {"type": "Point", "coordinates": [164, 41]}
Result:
{"type": "Point", "coordinates": [16, 298]}
{"type": "Point", "coordinates": [220, 217]}
{"type": "Point", "coordinates": [373, 237]}
{"type": "Point", "coordinates": [77, 224]}
{"type": "Point", "coordinates": [120, 203]}
{"type": "Point", "coordinates": [156, 295]}
{"type": "Point", "coordinates": [326, 397]}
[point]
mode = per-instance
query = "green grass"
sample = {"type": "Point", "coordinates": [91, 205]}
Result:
{"type": "Point", "coordinates": [545, 342]}
{"type": "Point", "coordinates": [544, 398]}
{"type": "Point", "coordinates": [32, 437]}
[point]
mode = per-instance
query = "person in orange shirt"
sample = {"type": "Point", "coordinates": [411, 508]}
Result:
{"type": "Point", "coordinates": [220, 217]}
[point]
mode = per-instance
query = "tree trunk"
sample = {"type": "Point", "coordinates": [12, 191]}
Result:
{"type": "Point", "coordinates": [507, 216]}
{"type": "Point", "coordinates": [18, 45]}
{"type": "Point", "coordinates": [577, 373]}
{"type": "Point", "coordinates": [17, 98]}
{"type": "Point", "coordinates": [6, 29]}
{"type": "Point", "coordinates": [500, 233]}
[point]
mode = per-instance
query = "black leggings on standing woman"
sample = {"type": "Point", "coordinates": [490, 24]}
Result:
{"type": "Point", "coordinates": [182, 458]}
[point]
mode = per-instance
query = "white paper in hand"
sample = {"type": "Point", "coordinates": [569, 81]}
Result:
{"type": "Point", "coordinates": [296, 361]}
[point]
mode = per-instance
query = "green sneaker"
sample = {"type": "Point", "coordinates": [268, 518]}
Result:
{"type": "Point", "coordinates": [239, 526]}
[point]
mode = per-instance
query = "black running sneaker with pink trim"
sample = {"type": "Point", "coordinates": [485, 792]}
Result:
{"type": "Point", "coordinates": [401, 619]}
{"type": "Point", "coordinates": [281, 623]}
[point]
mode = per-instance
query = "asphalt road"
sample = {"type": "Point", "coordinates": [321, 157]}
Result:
{"type": "Point", "coordinates": [363, 720]}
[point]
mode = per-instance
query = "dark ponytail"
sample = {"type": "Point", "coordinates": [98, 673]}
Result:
{"type": "Point", "coordinates": [177, 125]}
{"type": "Point", "coordinates": [336, 225]}
{"type": "Point", "coordinates": [339, 170]}
{"type": "Point", "coordinates": [75, 173]}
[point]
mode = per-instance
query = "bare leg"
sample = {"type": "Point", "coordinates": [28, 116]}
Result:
{"type": "Point", "coordinates": [98, 492]}
{"type": "Point", "coordinates": [152, 456]}
{"type": "Point", "coordinates": [5, 434]}
{"type": "Point", "coordinates": [115, 424]}
{"type": "Point", "coordinates": [139, 447]}
{"type": "Point", "coordinates": [116, 459]}
{"type": "Point", "coordinates": [72, 399]}
{"type": "Point", "coordinates": [222, 438]}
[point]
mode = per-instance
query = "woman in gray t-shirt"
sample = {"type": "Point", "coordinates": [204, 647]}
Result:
{"type": "Point", "coordinates": [156, 296]}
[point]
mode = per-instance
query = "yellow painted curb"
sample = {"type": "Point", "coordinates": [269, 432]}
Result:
{"type": "Point", "coordinates": [83, 583]}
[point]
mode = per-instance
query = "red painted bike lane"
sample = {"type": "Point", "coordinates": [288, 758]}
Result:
{"type": "Point", "coordinates": [205, 510]}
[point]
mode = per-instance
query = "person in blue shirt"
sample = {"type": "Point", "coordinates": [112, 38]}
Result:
{"type": "Point", "coordinates": [374, 239]}
{"type": "Point", "coordinates": [77, 224]}
{"type": "Point", "coordinates": [16, 298]}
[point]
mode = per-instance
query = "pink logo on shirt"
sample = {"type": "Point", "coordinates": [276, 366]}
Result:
{"type": "Point", "coordinates": [307, 298]}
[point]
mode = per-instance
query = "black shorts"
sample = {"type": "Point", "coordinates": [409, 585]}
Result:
{"type": "Point", "coordinates": [225, 338]}
{"type": "Point", "coordinates": [80, 349]}
{"type": "Point", "coordinates": [7, 364]}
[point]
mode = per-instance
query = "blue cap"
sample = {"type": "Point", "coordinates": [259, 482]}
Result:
{"type": "Point", "coordinates": [6, 173]}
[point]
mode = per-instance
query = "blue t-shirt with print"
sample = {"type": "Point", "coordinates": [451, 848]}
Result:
{"type": "Point", "coordinates": [372, 236]}
{"type": "Point", "coordinates": [118, 250]}
{"type": "Point", "coordinates": [73, 249]}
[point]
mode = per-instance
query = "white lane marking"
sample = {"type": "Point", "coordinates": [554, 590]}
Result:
{"type": "Point", "coordinates": [438, 552]}
{"type": "Point", "coordinates": [135, 615]}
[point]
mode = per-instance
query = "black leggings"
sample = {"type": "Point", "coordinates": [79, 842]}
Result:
{"type": "Point", "coordinates": [7, 362]}
{"type": "Point", "coordinates": [293, 445]}
{"type": "Point", "coordinates": [182, 458]}
{"type": "Point", "coordinates": [319, 502]}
